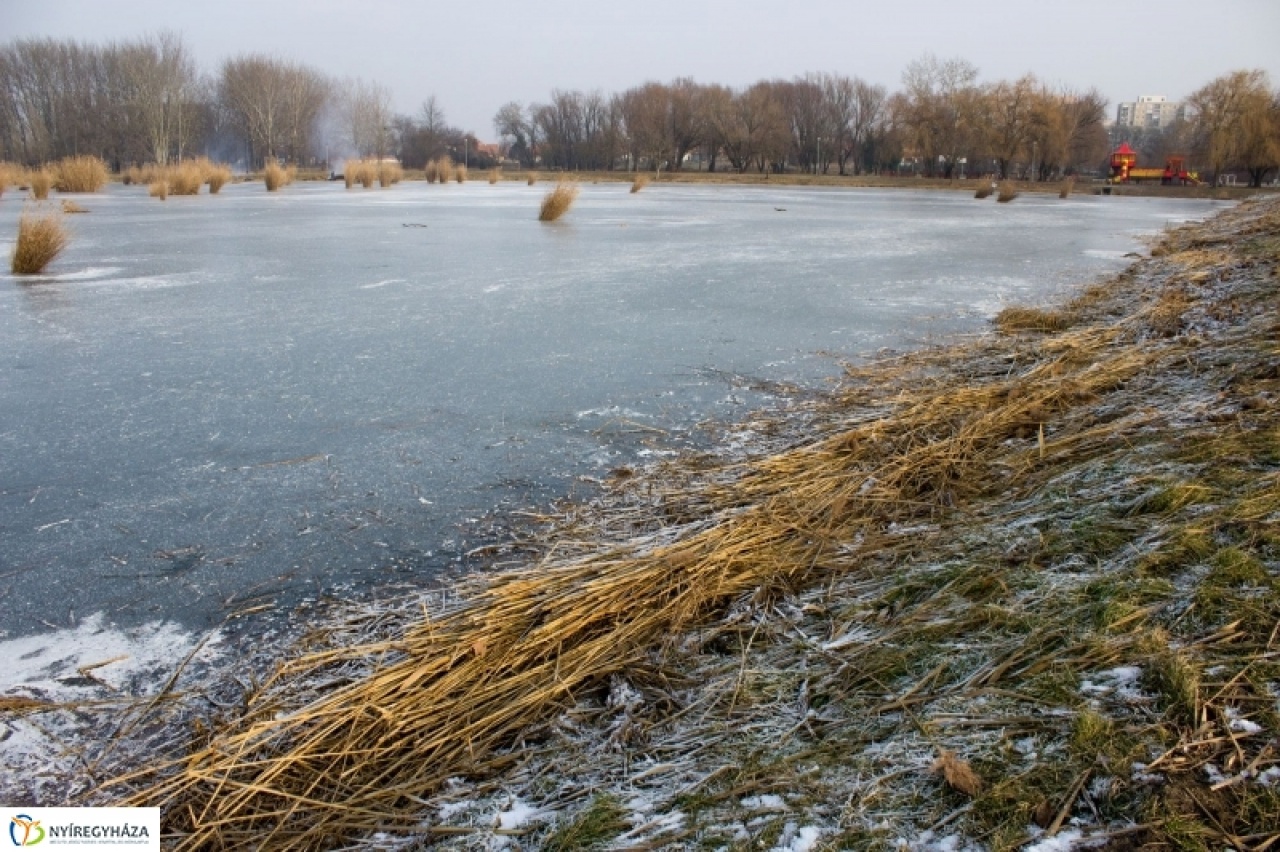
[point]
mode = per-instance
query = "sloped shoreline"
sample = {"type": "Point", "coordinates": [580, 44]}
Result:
{"type": "Point", "coordinates": [1016, 591]}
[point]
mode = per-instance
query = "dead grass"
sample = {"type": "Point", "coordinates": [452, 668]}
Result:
{"type": "Point", "coordinates": [40, 182]}
{"type": "Point", "coordinates": [361, 172]}
{"type": "Point", "coordinates": [1065, 190]}
{"type": "Point", "coordinates": [41, 238]}
{"type": "Point", "coordinates": [460, 173]}
{"type": "Point", "coordinates": [440, 170]}
{"type": "Point", "coordinates": [69, 206]}
{"type": "Point", "coordinates": [532, 178]}
{"type": "Point", "coordinates": [984, 191]}
{"type": "Point", "coordinates": [1015, 319]}
{"type": "Point", "coordinates": [185, 178]}
{"type": "Point", "coordinates": [159, 188]}
{"type": "Point", "coordinates": [557, 202]}
{"type": "Point", "coordinates": [922, 604]}
{"type": "Point", "coordinates": [274, 177]}
{"type": "Point", "coordinates": [1008, 192]}
{"type": "Point", "coordinates": [218, 176]}
{"type": "Point", "coordinates": [10, 174]}
{"type": "Point", "coordinates": [494, 176]}
{"type": "Point", "coordinates": [389, 173]}
{"type": "Point", "coordinates": [81, 174]}
{"type": "Point", "coordinates": [641, 181]}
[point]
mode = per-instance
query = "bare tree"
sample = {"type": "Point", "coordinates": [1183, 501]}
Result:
{"type": "Point", "coordinates": [367, 117]}
{"type": "Point", "coordinates": [1232, 123]}
{"type": "Point", "coordinates": [517, 131]}
{"type": "Point", "coordinates": [162, 82]}
{"type": "Point", "coordinates": [275, 104]}
{"type": "Point", "coordinates": [938, 110]}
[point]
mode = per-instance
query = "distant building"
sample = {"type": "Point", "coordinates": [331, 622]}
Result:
{"type": "Point", "coordinates": [1151, 112]}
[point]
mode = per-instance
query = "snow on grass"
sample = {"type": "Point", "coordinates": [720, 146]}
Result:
{"type": "Point", "coordinates": [67, 678]}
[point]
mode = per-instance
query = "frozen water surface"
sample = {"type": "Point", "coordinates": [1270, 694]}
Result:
{"type": "Point", "coordinates": [216, 401]}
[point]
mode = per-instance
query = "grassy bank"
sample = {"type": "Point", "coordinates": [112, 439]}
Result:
{"type": "Point", "coordinates": [1025, 586]}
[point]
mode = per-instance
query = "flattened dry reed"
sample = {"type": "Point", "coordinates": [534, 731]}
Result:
{"type": "Point", "coordinates": [558, 201]}
{"type": "Point", "coordinates": [41, 238]}
{"type": "Point", "coordinates": [641, 181]}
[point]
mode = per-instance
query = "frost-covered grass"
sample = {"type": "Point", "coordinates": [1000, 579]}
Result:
{"type": "Point", "coordinates": [1020, 592]}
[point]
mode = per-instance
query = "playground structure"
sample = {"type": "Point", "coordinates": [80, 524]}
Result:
{"type": "Point", "coordinates": [1124, 162]}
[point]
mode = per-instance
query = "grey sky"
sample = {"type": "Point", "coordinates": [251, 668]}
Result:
{"type": "Point", "coordinates": [500, 50]}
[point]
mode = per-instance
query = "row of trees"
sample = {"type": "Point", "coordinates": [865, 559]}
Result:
{"type": "Point", "coordinates": [147, 101]}
{"type": "Point", "coordinates": [940, 122]}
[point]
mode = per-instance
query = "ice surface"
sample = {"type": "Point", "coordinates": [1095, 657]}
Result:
{"type": "Point", "coordinates": [212, 404]}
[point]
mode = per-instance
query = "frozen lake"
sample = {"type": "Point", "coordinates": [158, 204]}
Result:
{"type": "Point", "coordinates": [215, 402]}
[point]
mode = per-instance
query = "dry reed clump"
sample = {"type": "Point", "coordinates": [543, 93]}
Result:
{"type": "Point", "coordinates": [185, 178]}
{"type": "Point", "coordinates": [363, 172]}
{"type": "Point", "coordinates": [389, 173]}
{"type": "Point", "coordinates": [274, 177]}
{"type": "Point", "coordinates": [460, 173]}
{"type": "Point", "coordinates": [984, 191]}
{"type": "Point", "coordinates": [219, 175]}
{"type": "Point", "coordinates": [641, 181]}
{"type": "Point", "coordinates": [558, 201]}
{"type": "Point", "coordinates": [159, 188]}
{"type": "Point", "coordinates": [909, 573]}
{"type": "Point", "coordinates": [69, 206]}
{"type": "Point", "coordinates": [440, 170]}
{"type": "Point", "coordinates": [494, 176]}
{"type": "Point", "coordinates": [1008, 192]}
{"type": "Point", "coordinates": [10, 174]}
{"type": "Point", "coordinates": [40, 240]}
{"type": "Point", "coordinates": [40, 182]}
{"type": "Point", "coordinates": [532, 178]}
{"type": "Point", "coordinates": [1068, 185]}
{"type": "Point", "coordinates": [81, 174]}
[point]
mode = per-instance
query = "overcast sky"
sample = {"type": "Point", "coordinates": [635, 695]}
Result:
{"type": "Point", "coordinates": [477, 56]}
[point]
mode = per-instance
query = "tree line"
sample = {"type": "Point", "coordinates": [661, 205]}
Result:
{"type": "Point", "coordinates": [147, 101]}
